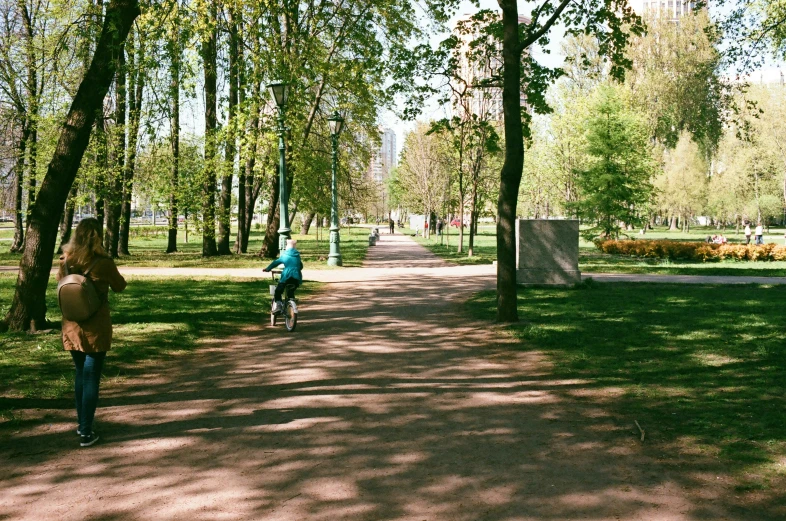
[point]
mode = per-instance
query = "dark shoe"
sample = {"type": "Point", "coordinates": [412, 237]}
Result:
{"type": "Point", "coordinates": [89, 439]}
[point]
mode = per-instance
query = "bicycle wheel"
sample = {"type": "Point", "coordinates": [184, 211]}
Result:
{"type": "Point", "coordinates": [290, 315]}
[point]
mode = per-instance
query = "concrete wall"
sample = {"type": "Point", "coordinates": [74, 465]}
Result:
{"type": "Point", "coordinates": [547, 252]}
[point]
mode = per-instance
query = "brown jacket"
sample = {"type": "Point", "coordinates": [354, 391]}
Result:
{"type": "Point", "coordinates": [94, 335]}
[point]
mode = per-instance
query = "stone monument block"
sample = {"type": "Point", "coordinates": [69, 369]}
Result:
{"type": "Point", "coordinates": [547, 252]}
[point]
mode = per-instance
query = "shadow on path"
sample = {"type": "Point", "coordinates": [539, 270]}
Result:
{"type": "Point", "coordinates": [386, 403]}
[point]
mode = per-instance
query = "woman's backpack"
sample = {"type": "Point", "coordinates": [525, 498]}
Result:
{"type": "Point", "coordinates": [77, 295]}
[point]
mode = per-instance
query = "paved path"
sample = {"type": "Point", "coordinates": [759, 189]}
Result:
{"type": "Point", "coordinates": [387, 403]}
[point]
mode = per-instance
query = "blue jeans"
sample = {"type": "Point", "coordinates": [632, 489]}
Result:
{"type": "Point", "coordinates": [88, 376]}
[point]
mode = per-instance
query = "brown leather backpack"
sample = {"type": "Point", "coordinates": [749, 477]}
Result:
{"type": "Point", "coordinates": [77, 295]}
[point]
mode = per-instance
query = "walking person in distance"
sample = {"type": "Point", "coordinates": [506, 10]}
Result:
{"type": "Point", "coordinates": [88, 340]}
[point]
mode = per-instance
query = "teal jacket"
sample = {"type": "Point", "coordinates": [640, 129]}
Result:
{"type": "Point", "coordinates": [292, 266]}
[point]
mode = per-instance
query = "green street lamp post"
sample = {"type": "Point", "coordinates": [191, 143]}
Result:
{"type": "Point", "coordinates": [336, 123]}
{"type": "Point", "coordinates": [279, 92]}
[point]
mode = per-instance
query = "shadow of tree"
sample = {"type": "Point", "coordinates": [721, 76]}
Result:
{"type": "Point", "coordinates": [386, 403]}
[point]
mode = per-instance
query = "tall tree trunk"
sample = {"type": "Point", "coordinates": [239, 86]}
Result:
{"type": "Point", "coordinates": [270, 245]}
{"type": "Point", "coordinates": [241, 179]}
{"type": "Point", "coordinates": [253, 181]}
{"type": "Point", "coordinates": [136, 94]}
{"type": "Point", "coordinates": [68, 218]}
{"type": "Point", "coordinates": [19, 230]}
{"type": "Point", "coordinates": [102, 160]}
{"type": "Point", "coordinates": [209, 60]}
{"type": "Point", "coordinates": [225, 210]}
{"type": "Point", "coordinates": [175, 56]}
{"type": "Point", "coordinates": [293, 213]}
{"type": "Point", "coordinates": [114, 204]}
{"type": "Point", "coordinates": [510, 177]}
{"type": "Point", "coordinates": [253, 187]}
{"type": "Point", "coordinates": [28, 308]}
{"type": "Point", "coordinates": [471, 248]}
{"type": "Point", "coordinates": [32, 93]}
{"type": "Point", "coordinates": [307, 220]}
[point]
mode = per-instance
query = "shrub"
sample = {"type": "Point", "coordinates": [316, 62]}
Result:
{"type": "Point", "coordinates": [148, 231]}
{"type": "Point", "coordinates": [692, 251]}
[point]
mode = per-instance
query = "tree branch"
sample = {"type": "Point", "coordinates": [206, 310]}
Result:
{"type": "Point", "coordinates": [545, 28]}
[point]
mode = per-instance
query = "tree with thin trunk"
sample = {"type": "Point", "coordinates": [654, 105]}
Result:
{"type": "Point", "coordinates": [114, 201]}
{"type": "Point", "coordinates": [225, 199]}
{"type": "Point", "coordinates": [209, 62]}
{"type": "Point", "coordinates": [136, 91]}
{"type": "Point", "coordinates": [28, 307]}
{"type": "Point", "coordinates": [612, 22]}
{"type": "Point", "coordinates": [33, 93]}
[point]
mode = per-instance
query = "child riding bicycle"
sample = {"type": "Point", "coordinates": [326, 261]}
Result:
{"type": "Point", "coordinates": [291, 276]}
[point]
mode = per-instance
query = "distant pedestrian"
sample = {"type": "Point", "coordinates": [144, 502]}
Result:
{"type": "Point", "coordinates": [392, 226]}
{"type": "Point", "coordinates": [759, 234]}
{"type": "Point", "coordinates": [747, 233]}
{"type": "Point", "coordinates": [89, 340]}
{"type": "Point", "coordinates": [439, 226]}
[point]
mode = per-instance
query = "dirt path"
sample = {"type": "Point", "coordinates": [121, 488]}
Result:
{"type": "Point", "coordinates": [387, 403]}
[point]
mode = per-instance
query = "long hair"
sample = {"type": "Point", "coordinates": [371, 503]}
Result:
{"type": "Point", "coordinates": [85, 244]}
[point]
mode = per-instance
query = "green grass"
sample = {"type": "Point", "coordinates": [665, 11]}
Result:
{"type": "Point", "coordinates": [153, 319]}
{"type": "Point", "coordinates": [484, 250]}
{"type": "Point", "coordinates": [702, 368]}
{"type": "Point", "coordinates": [149, 251]}
{"type": "Point", "coordinates": [593, 261]}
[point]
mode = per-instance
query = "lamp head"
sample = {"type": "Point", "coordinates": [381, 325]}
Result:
{"type": "Point", "coordinates": [336, 123]}
{"type": "Point", "coordinates": [279, 93]}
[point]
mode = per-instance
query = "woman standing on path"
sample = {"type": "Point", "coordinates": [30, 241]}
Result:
{"type": "Point", "coordinates": [89, 340]}
{"type": "Point", "coordinates": [759, 234]}
{"type": "Point", "coordinates": [747, 233]}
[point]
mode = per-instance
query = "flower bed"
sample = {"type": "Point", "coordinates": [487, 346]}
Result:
{"type": "Point", "coordinates": [693, 251]}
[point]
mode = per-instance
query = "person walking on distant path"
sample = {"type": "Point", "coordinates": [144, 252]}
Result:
{"type": "Point", "coordinates": [89, 340]}
{"type": "Point", "coordinates": [747, 233]}
{"type": "Point", "coordinates": [392, 226]}
{"type": "Point", "coordinates": [759, 234]}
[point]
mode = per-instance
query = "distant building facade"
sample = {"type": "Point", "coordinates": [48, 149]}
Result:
{"type": "Point", "coordinates": [671, 9]}
{"type": "Point", "coordinates": [384, 158]}
{"type": "Point", "coordinates": [484, 102]}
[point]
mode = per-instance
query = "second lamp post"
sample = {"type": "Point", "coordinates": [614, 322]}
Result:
{"type": "Point", "coordinates": [334, 258]}
{"type": "Point", "coordinates": [279, 92]}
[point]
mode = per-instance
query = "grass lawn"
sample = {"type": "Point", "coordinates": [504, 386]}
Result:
{"type": "Point", "coordinates": [153, 319]}
{"type": "Point", "coordinates": [702, 368]}
{"type": "Point", "coordinates": [149, 251]}
{"type": "Point", "coordinates": [591, 260]}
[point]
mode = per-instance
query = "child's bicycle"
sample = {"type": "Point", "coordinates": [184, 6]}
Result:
{"type": "Point", "coordinates": [288, 310]}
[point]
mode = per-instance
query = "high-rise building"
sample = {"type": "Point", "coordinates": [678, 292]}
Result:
{"type": "Point", "coordinates": [384, 159]}
{"type": "Point", "coordinates": [474, 70]}
{"type": "Point", "coordinates": [672, 9]}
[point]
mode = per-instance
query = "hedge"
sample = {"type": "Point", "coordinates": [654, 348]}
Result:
{"type": "Point", "coordinates": [693, 251]}
{"type": "Point", "coordinates": [148, 231]}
